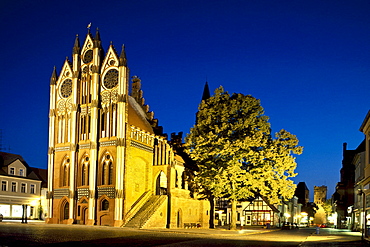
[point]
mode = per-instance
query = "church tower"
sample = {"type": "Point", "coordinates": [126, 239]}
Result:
{"type": "Point", "coordinates": [108, 159]}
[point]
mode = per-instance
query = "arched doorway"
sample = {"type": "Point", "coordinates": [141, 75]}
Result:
{"type": "Point", "coordinates": [64, 211]}
{"type": "Point", "coordinates": [161, 184]}
{"type": "Point", "coordinates": [179, 219]}
{"type": "Point", "coordinates": [84, 215]}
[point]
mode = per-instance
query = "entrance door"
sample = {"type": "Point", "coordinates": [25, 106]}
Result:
{"type": "Point", "coordinates": [179, 223]}
{"type": "Point", "coordinates": [84, 215]}
{"type": "Point", "coordinates": [161, 184]}
{"type": "Point", "coordinates": [248, 219]}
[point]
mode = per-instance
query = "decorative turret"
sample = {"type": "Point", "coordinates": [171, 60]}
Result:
{"type": "Point", "coordinates": [76, 47]}
{"type": "Point", "coordinates": [122, 57]}
{"type": "Point", "coordinates": [54, 77]}
{"type": "Point", "coordinates": [97, 41]}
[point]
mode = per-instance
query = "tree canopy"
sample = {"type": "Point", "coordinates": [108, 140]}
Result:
{"type": "Point", "coordinates": [236, 154]}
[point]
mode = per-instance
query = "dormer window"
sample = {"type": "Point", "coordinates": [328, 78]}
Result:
{"type": "Point", "coordinates": [21, 172]}
{"type": "Point", "coordinates": [11, 171]}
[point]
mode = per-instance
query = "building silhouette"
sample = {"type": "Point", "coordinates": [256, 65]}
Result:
{"type": "Point", "coordinates": [343, 197]}
{"type": "Point", "coordinates": [302, 193]}
{"type": "Point", "coordinates": [109, 162]}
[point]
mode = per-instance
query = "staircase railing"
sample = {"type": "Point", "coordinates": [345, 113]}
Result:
{"type": "Point", "coordinates": [137, 205]}
{"type": "Point", "coordinates": [150, 210]}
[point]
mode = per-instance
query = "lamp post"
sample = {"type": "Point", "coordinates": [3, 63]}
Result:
{"type": "Point", "coordinates": [361, 192]}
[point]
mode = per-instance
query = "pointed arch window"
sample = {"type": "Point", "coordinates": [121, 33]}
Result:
{"type": "Point", "coordinates": [104, 205]}
{"type": "Point", "coordinates": [161, 184]}
{"type": "Point", "coordinates": [64, 176]}
{"type": "Point", "coordinates": [107, 171]}
{"type": "Point", "coordinates": [84, 171]}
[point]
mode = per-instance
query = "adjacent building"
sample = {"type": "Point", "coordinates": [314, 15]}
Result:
{"type": "Point", "coordinates": [319, 198]}
{"type": "Point", "coordinates": [351, 200]}
{"type": "Point", "coordinates": [302, 193]}
{"type": "Point", "coordinates": [343, 198]}
{"type": "Point", "coordinates": [21, 188]}
{"type": "Point", "coordinates": [109, 162]}
{"type": "Point", "coordinates": [363, 185]}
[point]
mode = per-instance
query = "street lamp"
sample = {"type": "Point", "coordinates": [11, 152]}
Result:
{"type": "Point", "coordinates": [361, 192]}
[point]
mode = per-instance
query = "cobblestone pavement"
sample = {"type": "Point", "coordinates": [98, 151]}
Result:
{"type": "Point", "coordinates": [334, 237]}
{"type": "Point", "coordinates": [40, 234]}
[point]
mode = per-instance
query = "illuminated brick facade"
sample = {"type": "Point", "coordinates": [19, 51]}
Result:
{"type": "Point", "coordinates": [108, 161]}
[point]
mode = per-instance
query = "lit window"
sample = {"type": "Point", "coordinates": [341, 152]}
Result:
{"type": "Point", "coordinates": [32, 189]}
{"type": "Point", "coordinates": [3, 185]}
{"type": "Point", "coordinates": [23, 188]}
{"type": "Point", "coordinates": [14, 187]}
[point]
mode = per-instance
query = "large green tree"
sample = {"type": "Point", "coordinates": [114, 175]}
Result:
{"type": "Point", "coordinates": [236, 154]}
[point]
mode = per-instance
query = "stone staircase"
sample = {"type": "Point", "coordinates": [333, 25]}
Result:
{"type": "Point", "coordinates": [146, 211]}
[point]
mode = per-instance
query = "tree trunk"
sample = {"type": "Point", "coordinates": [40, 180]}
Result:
{"type": "Point", "coordinates": [212, 211]}
{"type": "Point", "coordinates": [233, 215]}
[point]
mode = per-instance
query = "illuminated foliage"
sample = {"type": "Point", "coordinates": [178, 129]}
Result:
{"type": "Point", "coordinates": [236, 154]}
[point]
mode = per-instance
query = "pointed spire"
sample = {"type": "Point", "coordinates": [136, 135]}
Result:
{"type": "Point", "coordinates": [97, 35]}
{"type": "Point", "coordinates": [122, 57]}
{"type": "Point", "coordinates": [54, 77]}
{"type": "Point", "coordinates": [206, 94]}
{"type": "Point", "coordinates": [97, 41]}
{"type": "Point", "coordinates": [76, 47]}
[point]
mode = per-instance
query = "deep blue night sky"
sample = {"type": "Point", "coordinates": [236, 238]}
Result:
{"type": "Point", "coordinates": [307, 61]}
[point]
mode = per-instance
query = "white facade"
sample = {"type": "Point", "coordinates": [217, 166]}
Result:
{"type": "Point", "coordinates": [20, 190]}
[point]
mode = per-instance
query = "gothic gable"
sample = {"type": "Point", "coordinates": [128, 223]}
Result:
{"type": "Point", "coordinates": [87, 49]}
{"type": "Point", "coordinates": [111, 60]}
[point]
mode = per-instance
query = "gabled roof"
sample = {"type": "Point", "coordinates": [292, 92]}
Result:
{"type": "Point", "coordinates": [365, 121]}
{"type": "Point", "coordinates": [137, 116]}
{"type": "Point", "coordinates": [7, 158]}
{"type": "Point", "coordinates": [42, 174]}
{"type": "Point", "coordinates": [273, 208]}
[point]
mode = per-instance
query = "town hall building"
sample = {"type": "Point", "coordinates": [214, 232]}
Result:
{"type": "Point", "coordinates": [108, 161]}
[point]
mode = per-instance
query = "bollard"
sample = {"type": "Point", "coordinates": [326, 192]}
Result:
{"type": "Point", "coordinates": [317, 230]}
